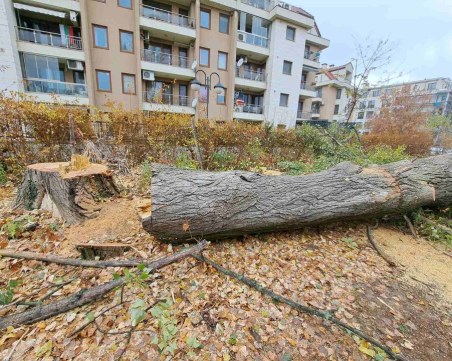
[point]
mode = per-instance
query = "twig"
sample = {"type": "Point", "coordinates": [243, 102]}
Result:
{"type": "Point", "coordinates": [379, 250]}
{"type": "Point", "coordinates": [89, 295]}
{"type": "Point", "coordinates": [47, 296]}
{"type": "Point", "coordinates": [299, 307]}
{"type": "Point", "coordinates": [15, 346]}
{"type": "Point", "coordinates": [410, 226]}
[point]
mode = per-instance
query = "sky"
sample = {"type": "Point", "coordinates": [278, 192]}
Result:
{"type": "Point", "coordinates": [419, 30]}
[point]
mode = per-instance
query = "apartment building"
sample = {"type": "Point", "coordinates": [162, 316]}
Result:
{"type": "Point", "coordinates": [435, 95]}
{"type": "Point", "coordinates": [252, 60]}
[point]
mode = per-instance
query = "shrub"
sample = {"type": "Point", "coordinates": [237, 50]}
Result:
{"type": "Point", "coordinates": [3, 178]}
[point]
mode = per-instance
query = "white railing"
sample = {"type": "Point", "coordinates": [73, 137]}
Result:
{"type": "Point", "coordinates": [249, 108]}
{"type": "Point", "coordinates": [34, 85]}
{"type": "Point", "coordinates": [252, 39]}
{"type": "Point", "coordinates": [153, 97]}
{"type": "Point", "coordinates": [250, 74]}
{"type": "Point", "coordinates": [304, 115]}
{"type": "Point", "coordinates": [167, 16]}
{"type": "Point", "coordinates": [47, 38]}
{"type": "Point", "coordinates": [164, 58]}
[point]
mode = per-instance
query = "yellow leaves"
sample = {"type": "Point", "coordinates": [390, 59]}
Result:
{"type": "Point", "coordinates": [186, 226]}
{"type": "Point", "coordinates": [226, 357]}
{"type": "Point", "coordinates": [9, 333]}
{"type": "Point", "coordinates": [41, 325]}
{"type": "Point", "coordinates": [292, 342]}
{"type": "Point", "coordinates": [365, 348]}
{"type": "Point", "coordinates": [44, 350]}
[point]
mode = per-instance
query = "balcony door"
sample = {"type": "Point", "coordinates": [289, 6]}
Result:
{"type": "Point", "coordinates": [159, 92]}
{"type": "Point", "coordinates": [160, 53]}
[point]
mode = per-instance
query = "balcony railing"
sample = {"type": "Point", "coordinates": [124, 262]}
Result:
{"type": "Point", "coordinates": [46, 38]}
{"type": "Point", "coordinates": [260, 4]}
{"type": "Point", "coordinates": [304, 115]}
{"type": "Point", "coordinates": [250, 74]}
{"type": "Point", "coordinates": [164, 58]}
{"type": "Point", "coordinates": [252, 39]}
{"type": "Point", "coordinates": [249, 108]}
{"type": "Point", "coordinates": [55, 87]}
{"type": "Point", "coordinates": [166, 99]}
{"type": "Point", "coordinates": [312, 55]}
{"type": "Point", "coordinates": [167, 16]}
{"type": "Point", "coordinates": [305, 86]}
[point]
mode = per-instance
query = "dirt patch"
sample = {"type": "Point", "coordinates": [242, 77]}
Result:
{"type": "Point", "coordinates": [425, 266]}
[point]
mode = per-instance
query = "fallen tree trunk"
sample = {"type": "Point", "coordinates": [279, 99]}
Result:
{"type": "Point", "coordinates": [212, 205]}
{"type": "Point", "coordinates": [73, 196]}
{"type": "Point", "coordinates": [88, 295]}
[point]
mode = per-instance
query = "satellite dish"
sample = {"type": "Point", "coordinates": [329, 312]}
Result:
{"type": "Point", "coordinates": [194, 103]}
{"type": "Point", "coordinates": [194, 65]}
{"type": "Point", "coordinates": [240, 62]}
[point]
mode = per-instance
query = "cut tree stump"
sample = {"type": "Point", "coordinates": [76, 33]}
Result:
{"type": "Point", "coordinates": [101, 250]}
{"type": "Point", "coordinates": [190, 204]}
{"type": "Point", "coordinates": [73, 196]}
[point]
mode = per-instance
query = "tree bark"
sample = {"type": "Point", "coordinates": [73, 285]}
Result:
{"type": "Point", "coordinates": [73, 196]}
{"type": "Point", "coordinates": [190, 204]}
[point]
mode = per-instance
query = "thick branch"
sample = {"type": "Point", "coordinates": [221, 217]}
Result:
{"type": "Point", "coordinates": [299, 307]}
{"type": "Point", "coordinates": [88, 295]}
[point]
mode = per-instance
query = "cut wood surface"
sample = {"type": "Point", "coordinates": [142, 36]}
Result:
{"type": "Point", "coordinates": [73, 196]}
{"type": "Point", "coordinates": [213, 205]}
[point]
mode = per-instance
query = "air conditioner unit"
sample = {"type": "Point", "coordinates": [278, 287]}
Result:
{"type": "Point", "coordinates": [73, 17]}
{"type": "Point", "coordinates": [241, 37]}
{"type": "Point", "coordinates": [148, 75]}
{"type": "Point", "coordinates": [75, 65]}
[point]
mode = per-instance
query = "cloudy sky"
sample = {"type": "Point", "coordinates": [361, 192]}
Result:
{"type": "Point", "coordinates": [421, 31]}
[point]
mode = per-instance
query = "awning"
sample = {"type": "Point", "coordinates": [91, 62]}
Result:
{"type": "Point", "coordinates": [35, 9]}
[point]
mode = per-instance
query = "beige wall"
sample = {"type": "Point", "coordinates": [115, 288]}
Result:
{"type": "Point", "coordinates": [329, 101]}
{"type": "Point", "coordinates": [215, 41]}
{"type": "Point", "coordinates": [111, 59]}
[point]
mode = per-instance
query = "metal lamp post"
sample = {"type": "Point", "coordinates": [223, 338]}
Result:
{"type": "Point", "coordinates": [218, 88]}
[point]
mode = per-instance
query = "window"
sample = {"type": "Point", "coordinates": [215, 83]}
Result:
{"type": "Point", "coordinates": [290, 33]}
{"type": "Point", "coordinates": [221, 98]}
{"type": "Point", "coordinates": [204, 57]}
{"type": "Point", "coordinates": [431, 86]}
{"type": "Point", "coordinates": [287, 67]}
{"type": "Point", "coordinates": [128, 83]}
{"type": "Point", "coordinates": [369, 115]}
{"type": "Point", "coordinates": [205, 19]}
{"type": "Point", "coordinates": [224, 24]}
{"type": "Point", "coordinates": [361, 115]}
{"type": "Point", "coordinates": [338, 93]}
{"type": "Point", "coordinates": [376, 93]}
{"type": "Point", "coordinates": [283, 100]}
{"type": "Point", "coordinates": [183, 95]}
{"type": "Point", "coordinates": [103, 78]}
{"type": "Point", "coordinates": [100, 35]}
{"type": "Point", "coordinates": [336, 109]}
{"type": "Point", "coordinates": [222, 60]}
{"type": "Point", "coordinates": [371, 104]}
{"type": "Point", "coordinates": [125, 4]}
{"type": "Point", "coordinates": [126, 41]}
{"type": "Point", "coordinates": [362, 105]}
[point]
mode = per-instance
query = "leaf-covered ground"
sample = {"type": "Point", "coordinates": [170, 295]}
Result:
{"type": "Point", "coordinates": [200, 314]}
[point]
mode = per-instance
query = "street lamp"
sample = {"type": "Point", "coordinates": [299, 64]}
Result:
{"type": "Point", "coordinates": [196, 86]}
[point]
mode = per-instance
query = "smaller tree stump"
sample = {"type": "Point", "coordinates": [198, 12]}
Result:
{"type": "Point", "coordinates": [72, 196]}
{"type": "Point", "coordinates": [101, 250]}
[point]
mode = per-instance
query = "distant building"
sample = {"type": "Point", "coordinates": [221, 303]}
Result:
{"type": "Point", "coordinates": [436, 92]}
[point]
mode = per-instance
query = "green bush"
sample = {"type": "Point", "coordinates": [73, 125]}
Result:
{"type": "Point", "coordinates": [3, 178]}
{"type": "Point", "coordinates": [145, 176]}
{"type": "Point", "coordinates": [185, 162]}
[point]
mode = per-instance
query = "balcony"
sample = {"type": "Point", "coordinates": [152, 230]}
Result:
{"type": "Point", "coordinates": [161, 23]}
{"type": "Point", "coordinates": [301, 115]}
{"type": "Point", "coordinates": [250, 79]}
{"type": "Point", "coordinates": [49, 91]}
{"type": "Point", "coordinates": [167, 65]}
{"type": "Point", "coordinates": [52, 44]}
{"type": "Point", "coordinates": [250, 112]}
{"type": "Point", "coordinates": [260, 4]}
{"type": "Point", "coordinates": [252, 45]}
{"type": "Point", "coordinates": [312, 59]}
{"type": "Point", "coordinates": [306, 90]}
{"type": "Point", "coordinates": [61, 5]}
{"type": "Point", "coordinates": [167, 103]}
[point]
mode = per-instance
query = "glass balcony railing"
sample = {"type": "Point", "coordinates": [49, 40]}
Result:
{"type": "Point", "coordinates": [55, 87]}
{"type": "Point", "coordinates": [252, 39]}
{"type": "Point", "coordinates": [153, 97]}
{"type": "Point", "coordinates": [158, 57]}
{"type": "Point", "coordinates": [312, 55]}
{"type": "Point", "coordinates": [51, 39]}
{"type": "Point", "coordinates": [250, 74]}
{"type": "Point", "coordinates": [249, 108]}
{"type": "Point", "coordinates": [304, 115]}
{"type": "Point", "coordinates": [167, 16]}
{"type": "Point", "coordinates": [260, 4]}
{"type": "Point", "coordinates": [305, 86]}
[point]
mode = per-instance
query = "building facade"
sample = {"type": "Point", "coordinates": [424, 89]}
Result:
{"type": "Point", "coordinates": [264, 55]}
{"type": "Point", "coordinates": [435, 95]}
